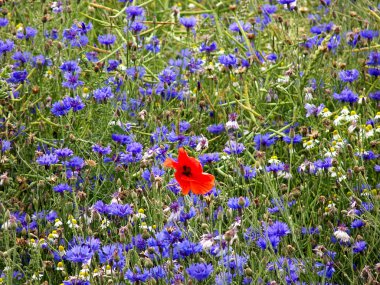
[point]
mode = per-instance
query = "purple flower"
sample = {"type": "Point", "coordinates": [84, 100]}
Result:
{"type": "Point", "coordinates": [103, 94]}
{"type": "Point", "coordinates": [18, 77]}
{"type": "Point", "coordinates": [137, 275]}
{"type": "Point", "coordinates": [327, 269]}
{"type": "Point", "coordinates": [216, 129]}
{"type": "Point", "coordinates": [4, 22]}
{"type": "Point", "coordinates": [154, 45]}
{"type": "Point", "coordinates": [6, 46]}
{"type": "Point", "coordinates": [136, 27]}
{"type": "Point", "coordinates": [136, 72]}
{"type": "Point", "coordinates": [234, 27]}
{"type": "Point", "coordinates": [107, 39]}
{"type": "Point", "coordinates": [238, 203]}
{"type": "Point", "coordinates": [134, 11]}
{"type": "Point", "coordinates": [72, 80]}
{"type": "Point", "coordinates": [101, 150]}
{"type": "Point", "coordinates": [359, 246]}
{"type": "Point", "coordinates": [263, 141]}
{"type": "Point", "coordinates": [119, 210]}
{"type": "Point", "coordinates": [70, 66]}
{"type": "Point", "coordinates": [349, 75]}
{"type": "Point", "coordinates": [375, 95]}
{"type": "Point", "coordinates": [168, 76]}
{"type": "Point", "coordinates": [63, 152]}
{"type": "Point", "coordinates": [60, 188]}
{"type": "Point", "coordinates": [311, 109]}
{"type": "Point", "coordinates": [60, 108]}
{"type": "Point", "coordinates": [229, 60]}
{"type": "Point", "coordinates": [373, 58]}
{"type": "Point", "coordinates": [47, 159]}
{"type": "Point", "coordinates": [79, 253]}
{"type": "Point", "coordinates": [188, 22]}
{"type": "Point", "coordinates": [233, 147]}
{"type": "Point", "coordinates": [374, 71]}
{"type": "Point", "coordinates": [5, 145]}
{"type": "Point", "coordinates": [278, 229]}
{"type": "Point", "coordinates": [294, 140]}
{"type": "Point", "coordinates": [369, 34]}
{"type": "Point", "coordinates": [209, 158]}
{"type": "Point", "coordinates": [200, 271]}
{"type": "Point", "coordinates": [357, 224]}
{"type": "Point", "coordinates": [285, 2]}
{"type": "Point", "coordinates": [346, 95]}
{"type": "Point", "coordinates": [208, 48]}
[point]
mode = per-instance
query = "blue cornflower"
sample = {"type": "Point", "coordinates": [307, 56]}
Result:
{"type": "Point", "coordinates": [158, 272]}
{"type": "Point", "coordinates": [122, 139]}
{"type": "Point", "coordinates": [234, 27]}
{"type": "Point", "coordinates": [92, 56]}
{"type": "Point", "coordinates": [359, 246]}
{"type": "Point", "coordinates": [114, 254]}
{"type": "Point", "coordinates": [208, 48]}
{"type": "Point", "coordinates": [4, 22]}
{"type": "Point", "coordinates": [47, 159]}
{"type": "Point", "coordinates": [22, 57]}
{"type": "Point", "coordinates": [349, 75]}
{"type": "Point", "coordinates": [209, 158]}
{"type": "Point", "coordinates": [357, 224]}
{"type": "Point", "coordinates": [101, 150]}
{"type": "Point", "coordinates": [75, 103]}
{"type": "Point", "coordinates": [327, 269]}
{"type": "Point", "coordinates": [188, 22]}
{"type": "Point", "coordinates": [112, 65]}
{"type": "Point", "coordinates": [375, 95]}
{"type": "Point", "coordinates": [107, 39]}
{"type": "Point", "coordinates": [40, 60]}
{"type": "Point", "coordinates": [229, 60]}
{"type": "Point", "coordinates": [6, 46]}
{"type": "Point", "coordinates": [18, 77]}
{"type": "Point", "coordinates": [200, 271]}
{"type": "Point", "coordinates": [346, 95]}
{"type": "Point", "coordinates": [136, 27]}
{"type": "Point", "coordinates": [323, 164]}
{"type": "Point", "coordinates": [119, 210]}
{"type": "Point", "coordinates": [186, 248]}
{"type": "Point", "coordinates": [134, 11]}
{"type": "Point", "coordinates": [72, 80]}
{"type": "Point", "coordinates": [216, 129]}
{"type": "Point", "coordinates": [63, 152]}
{"type": "Point", "coordinates": [103, 94]}
{"type": "Point", "coordinates": [137, 275]}
{"type": "Point", "coordinates": [263, 141]}
{"type": "Point", "coordinates": [154, 45]}
{"type": "Point", "coordinates": [70, 66]}
{"type": "Point", "coordinates": [79, 253]}
{"type": "Point", "coordinates": [285, 2]}
{"type": "Point", "coordinates": [294, 140]}
{"type": "Point", "coordinates": [76, 163]}
{"type": "Point", "coordinates": [311, 109]}
{"type": "Point", "coordinates": [168, 76]}
{"type": "Point", "coordinates": [28, 33]}
{"type": "Point", "coordinates": [374, 71]}
{"type": "Point", "coordinates": [238, 203]}
{"type": "Point", "coordinates": [134, 147]}
{"type": "Point", "coordinates": [5, 145]}
{"type": "Point", "coordinates": [60, 108]}
{"type": "Point", "coordinates": [278, 229]}
{"type": "Point", "coordinates": [373, 58]}
{"type": "Point", "coordinates": [233, 147]}
{"type": "Point", "coordinates": [60, 188]}
{"type": "Point", "coordinates": [136, 72]}
{"type": "Point", "coordinates": [369, 34]}
{"type": "Point", "coordinates": [76, 281]}
{"type": "Point", "coordinates": [268, 9]}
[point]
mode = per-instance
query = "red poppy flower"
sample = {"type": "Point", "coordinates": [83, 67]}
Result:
{"type": "Point", "coordinates": [189, 174]}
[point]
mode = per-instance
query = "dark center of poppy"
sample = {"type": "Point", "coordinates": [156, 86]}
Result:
{"type": "Point", "coordinates": [186, 171]}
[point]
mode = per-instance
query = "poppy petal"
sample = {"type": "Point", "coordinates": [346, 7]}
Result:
{"type": "Point", "coordinates": [170, 163]}
{"type": "Point", "coordinates": [185, 185]}
{"type": "Point", "coordinates": [185, 160]}
{"type": "Point", "coordinates": [203, 185]}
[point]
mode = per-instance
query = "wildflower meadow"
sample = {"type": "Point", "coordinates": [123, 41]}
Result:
{"type": "Point", "coordinates": [189, 142]}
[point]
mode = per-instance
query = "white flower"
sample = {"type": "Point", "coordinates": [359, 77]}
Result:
{"type": "Point", "coordinates": [342, 236]}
